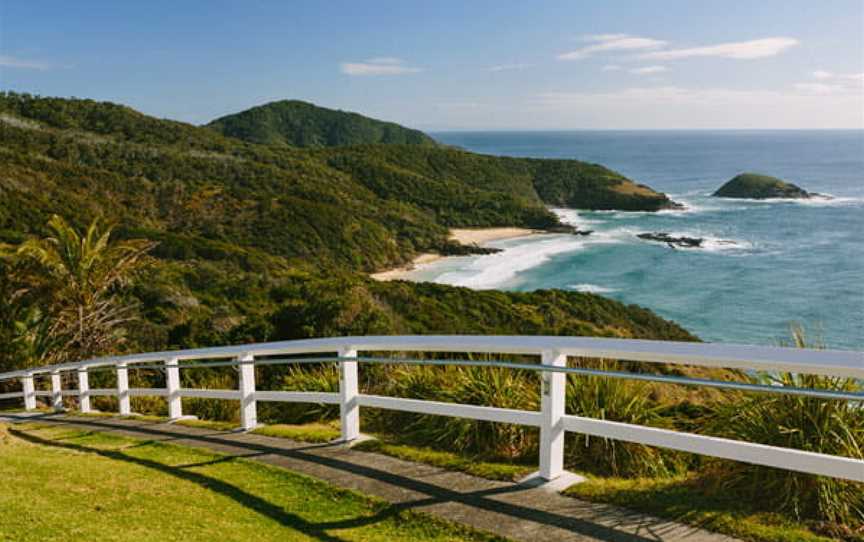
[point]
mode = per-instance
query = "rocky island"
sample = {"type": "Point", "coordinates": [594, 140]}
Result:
{"type": "Point", "coordinates": [757, 186]}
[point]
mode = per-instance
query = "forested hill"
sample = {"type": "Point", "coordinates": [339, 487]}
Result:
{"type": "Point", "coordinates": [301, 124]}
{"type": "Point", "coordinates": [267, 241]}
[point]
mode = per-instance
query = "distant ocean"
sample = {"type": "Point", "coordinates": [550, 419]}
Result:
{"type": "Point", "coordinates": [764, 266]}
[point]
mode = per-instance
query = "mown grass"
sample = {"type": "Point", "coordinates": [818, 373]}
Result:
{"type": "Point", "coordinates": [447, 460]}
{"type": "Point", "coordinates": [70, 484]}
{"type": "Point", "coordinates": [681, 499]}
{"type": "Point", "coordinates": [310, 432]}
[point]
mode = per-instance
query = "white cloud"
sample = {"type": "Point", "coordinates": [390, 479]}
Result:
{"type": "Point", "coordinates": [7, 61]}
{"type": "Point", "coordinates": [818, 88]}
{"type": "Point", "coordinates": [682, 107]}
{"type": "Point", "coordinates": [507, 67]}
{"type": "Point", "coordinates": [745, 50]}
{"type": "Point", "coordinates": [611, 68]}
{"type": "Point", "coordinates": [833, 83]}
{"type": "Point", "coordinates": [377, 66]}
{"type": "Point", "coordinates": [612, 42]}
{"type": "Point", "coordinates": [384, 60]}
{"type": "Point", "coordinates": [648, 70]}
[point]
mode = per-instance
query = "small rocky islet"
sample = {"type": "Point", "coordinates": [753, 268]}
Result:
{"type": "Point", "coordinates": [758, 186]}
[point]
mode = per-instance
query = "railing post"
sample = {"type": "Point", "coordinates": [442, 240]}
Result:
{"type": "Point", "coordinates": [552, 410]}
{"type": "Point", "coordinates": [56, 391]}
{"type": "Point", "coordinates": [29, 392]}
{"type": "Point", "coordinates": [349, 408]}
{"type": "Point", "coordinates": [123, 389]}
{"type": "Point", "coordinates": [83, 390]}
{"type": "Point", "coordinates": [248, 406]}
{"type": "Point", "coordinates": [172, 385]}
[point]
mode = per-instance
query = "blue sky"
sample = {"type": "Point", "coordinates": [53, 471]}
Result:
{"type": "Point", "coordinates": [455, 64]}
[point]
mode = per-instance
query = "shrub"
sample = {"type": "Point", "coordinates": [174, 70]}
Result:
{"type": "Point", "coordinates": [468, 385]}
{"type": "Point", "coordinates": [616, 400]}
{"type": "Point", "coordinates": [323, 378]}
{"type": "Point", "coordinates": [825, 426]}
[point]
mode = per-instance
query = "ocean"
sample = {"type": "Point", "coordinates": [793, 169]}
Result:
{"type": "Point", "coordinates": [765, 265]}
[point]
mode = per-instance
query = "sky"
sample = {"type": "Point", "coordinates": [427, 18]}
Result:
{"type": "Point", "coordinates": [455, 65]}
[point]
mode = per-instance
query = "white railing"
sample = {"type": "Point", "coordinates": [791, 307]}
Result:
{"type": "Point", "coordinates": [551, 418]}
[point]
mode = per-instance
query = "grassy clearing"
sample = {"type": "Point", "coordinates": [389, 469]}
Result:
{"type": "Point", "coordinates": [447, 460]}
{"type": "Point", "coordinates": [106, 487]}
{"type": "Point", "coordinates": [310, 432]}
{"type": "Point", "coordinates": [681, 499]}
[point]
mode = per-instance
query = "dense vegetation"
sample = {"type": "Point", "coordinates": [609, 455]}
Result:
{"type": "Point", "coordinates": [758, 186]}
{"type": "Point", "coordinates": [261, 241]}
{"type": "Point", "coordinates": [301, 124]}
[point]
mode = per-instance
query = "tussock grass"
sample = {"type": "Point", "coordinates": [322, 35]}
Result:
{"type": "Point", "coordinates": [620, 401]}
{"type": "Point", "coordinates": [466, 385]}
{"type": "Point", "coordinates": [805, 423]}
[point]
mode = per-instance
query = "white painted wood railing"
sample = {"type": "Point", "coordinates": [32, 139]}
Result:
{"type": "Point", "coordinates": [551, 418]}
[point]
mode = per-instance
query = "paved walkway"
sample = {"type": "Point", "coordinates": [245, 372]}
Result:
{"type": "Point", "coordinates": [506, 509]}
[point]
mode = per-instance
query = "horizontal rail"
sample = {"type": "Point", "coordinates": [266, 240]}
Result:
{"type": "Point", "coordinates": [210, 394]}
{"type": "Point", "coordinates": [99, 392]}
{"type": "Point", "coordinates": [70, 393]}
{"type": "Point", "coordinates": [298, 397]}
{"type": "Point", "coordinates": [748, 452]}
{"type": "Point", "coordinates": [13, 395]}
{"type": "Point", "coordinates": [840, 363]}
{"type": "Point", "coordinates": [454, 410]}
{"type": "Point", "coordinates": [148, 392]}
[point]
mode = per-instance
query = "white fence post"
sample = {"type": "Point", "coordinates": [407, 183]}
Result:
{"type": "Point", "coordinates": [83, 390]}
{"type": "Point", "coordinates": [172, 385]}
{"type": "Point", "coordinates": [123, 389]}
{"type": "Point", "coordinates": [248, 406]}
{"type": "Point", "coordinates": [29, 392]}
{"type": "Point", "coordinates": [552, 411]}
{"type": "Point", "coordinates": [56, 391]}
{"type": "Point", "coordinates": [349, 407]}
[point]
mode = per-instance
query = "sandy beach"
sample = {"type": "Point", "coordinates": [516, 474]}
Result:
{"type": "Point", "coordinates": [466, 236]}
{"type": "Point", "coordinates": [471, 236]}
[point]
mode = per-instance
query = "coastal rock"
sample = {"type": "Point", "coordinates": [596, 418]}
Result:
{"type": "Point", "coordinates": [756, 186]}
{"type": "Point", "coordinates": [566, 228]}
{"type": "Point", "coordinates": [458, 249]}
{"type": "Point", "coordinates": [683, 241]}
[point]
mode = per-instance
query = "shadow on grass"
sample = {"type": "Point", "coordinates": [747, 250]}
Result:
{"type": "Point", "coordinates": [613, 519]}
{"type": "Point", "coordinates": [248, 500]}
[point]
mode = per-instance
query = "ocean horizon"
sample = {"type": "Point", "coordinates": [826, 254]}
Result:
{"type": "Point", "coordinates": [764, 265]}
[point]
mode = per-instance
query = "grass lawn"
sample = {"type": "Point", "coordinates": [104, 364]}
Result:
{"type": "Point", "coordinates": [68, 484]}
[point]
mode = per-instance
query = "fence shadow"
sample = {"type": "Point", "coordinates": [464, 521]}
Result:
{"type": "Point", "coordinates": [639, 528]}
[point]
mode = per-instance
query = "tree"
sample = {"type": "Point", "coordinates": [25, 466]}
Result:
{"type": "Point", "coordinates": [75, 284]}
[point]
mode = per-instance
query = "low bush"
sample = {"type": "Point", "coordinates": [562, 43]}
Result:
{"type": "Point", "coordinates": [613, 399]}
{"type": "Point", "coordinates": [827, 426]}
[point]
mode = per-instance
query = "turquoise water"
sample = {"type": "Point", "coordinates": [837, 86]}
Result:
{"type": "Point", "coordinates": [765, 264]}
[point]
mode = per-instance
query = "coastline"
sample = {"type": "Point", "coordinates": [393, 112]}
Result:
{"type": "Point", "coordinates": [465, 236]}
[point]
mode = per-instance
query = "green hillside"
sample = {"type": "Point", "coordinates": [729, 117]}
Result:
{"type": "Point", "coordinates": [260, 241]}
{"type": "Point", "coordinates": [301, 124]}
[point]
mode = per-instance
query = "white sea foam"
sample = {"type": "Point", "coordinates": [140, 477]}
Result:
{"type": "Point", "coordinates": [591, 288]}
{"type": "Point", "coordinates": [821, 200]}
{"type": "Point", "coordinates": [571, 217]}
{"type": "Point", "coordinates": [498, 269]}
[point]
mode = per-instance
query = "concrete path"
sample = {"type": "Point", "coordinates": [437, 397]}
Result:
{"type": "Point", "coordinates": [506, 509]}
